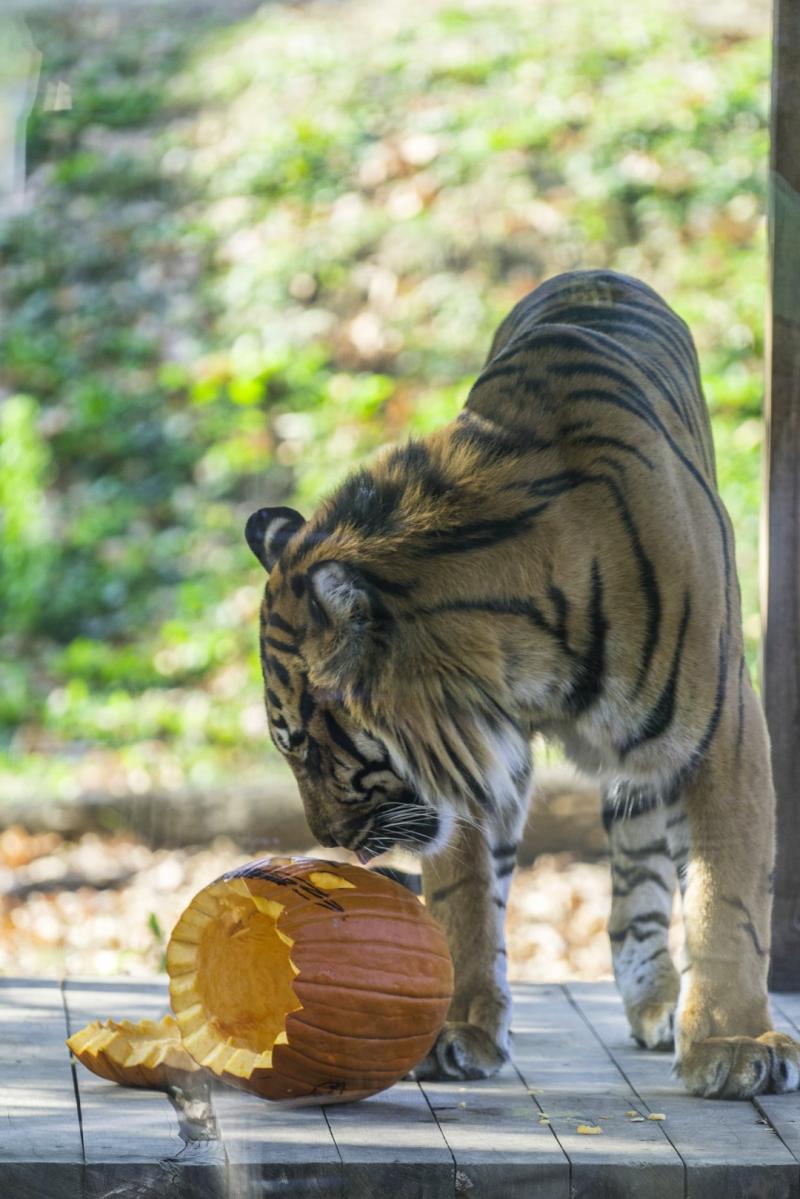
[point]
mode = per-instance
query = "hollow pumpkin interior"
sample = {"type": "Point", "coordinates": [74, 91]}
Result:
{"type": "Point", "coordinates": [232, 976]}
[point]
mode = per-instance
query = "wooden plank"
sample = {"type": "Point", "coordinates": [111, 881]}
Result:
{"type": "Point", "coordinates": [781, 575]}
{"type": "Point", "coordinates": [787, 1006]}
{"type": "Point", "coordinates": [134, 1144]}
{"type": "Point", "coordinates": [576, 1083]}
{"type": "Point", "coordinates": [500, 1148]}
{"type": "Point", "coordinates": [728, 1154]}
{"type": "Point", "coordinates": [783, 1111]}
{"type": "Point", "coordinates": [40, 1142]}
{"type": "Point", "coordinates": [275, 1150]}
{"type": "Point", "coordinates": [390, 1144]}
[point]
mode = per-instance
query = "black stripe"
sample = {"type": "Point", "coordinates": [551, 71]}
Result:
{"type": "Point", "coordinates": [524, 608]}
{"type": "Point", "coordinates": [659, 718]}
{"type": "Point", "coordinates": [307, 706]}
{"type": "Point", "coordinates": [567, 481]}
{"type": "Point", "coordinates": [587, 682]}
{"type": "Point", "coordinates": [701, 748]}
{"type": "Point", "coordinates": [611, 348]}
{"type": "Point", "coordinates": [476, 790]}
{"type": "Point", "coordinates": [617, 443]}
{"type": "Point", "coordinates": [274, 699]}
{"type": "Point", "coordinates": [381, 583]}
{"type": "Point", "coordinates": [561, 605]}
{"type": "Point", "coordinates": [626, 802]}
{"type": "Point", "coordinates": [746, 924]}
{"type": "Point", "coordinates": [631, 318]}
{"type": "Point", "coordinates": [678, 818]}
{"type": "Point", "coordinates": [504, 870]}
{"type": "Point", "coordinates": [599, 287]}
{"type": "Point", "coordinates": [443, 892]}
{"type": "Point", "coordinates": [278, 669]}
{"type": "Point", "coordinates": [414, 461]}
{"type": "Point", "coordinates": [651, 957]}
{"type": "Point", "coordinates": [408, 752]}
{"type": "Point", "coordinates": [657, 848]}
{"type": "Point", "coordinates": [282, 646]}
{"type": "Point", "coordinates": [615, 465]}
{"type": "Point", "coordinates": [740, 722]}
{"type": "Point", "coordinates": [632, 930]}
{"type": "Point", "coordinates": [651, 418]}
{"type": "Point", "coordinates": [635, 876]}
{"type": "Point", "coordinates": [505, 851]}
{"type": "Point", "coordinates": [341, 738]}
{"type": "Point", "coordinates": [477, 535]}
{"type": "Point", "coordinates": [368, 503]}
{"type": "Point", "coordinates": [281, 625]}
{"type": "Point", "coordinates": [493, 440]}
{"type": "Point", "coordinates": [490, 373]}
{"type": "Point", "coordinates": [632, 315]}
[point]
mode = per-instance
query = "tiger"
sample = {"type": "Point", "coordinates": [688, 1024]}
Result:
{"type": "Point", "coordinates": [556, 561]}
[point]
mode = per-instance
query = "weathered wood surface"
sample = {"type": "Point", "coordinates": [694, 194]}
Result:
{"type": "Point", "coordinates": [726, 1152]}
{"type": "Point", "coordinates": [134, 1143]}
{"type": "Point", "coordinates": [577, 1084]}
{"type": "Point", "coordinates": [41, 1156]}
{"type": "Point", "coordinates": [510, 1137]}
{"type": "Point", "coordinates": [781, 599]}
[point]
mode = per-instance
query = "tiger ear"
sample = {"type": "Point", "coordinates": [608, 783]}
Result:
{"type": "Point", "coordinates": [339, 596]}
{"type": "Point", "coordinates": [267, 532]}
{"type": "Point", "coordinates": [342, 602]}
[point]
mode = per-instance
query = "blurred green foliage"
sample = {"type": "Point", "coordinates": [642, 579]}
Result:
{"type": "Point", "coordinates": [258, 246]}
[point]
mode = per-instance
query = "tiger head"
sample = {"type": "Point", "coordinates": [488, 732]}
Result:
{"type": "Point", "coordinates": [317, 618]}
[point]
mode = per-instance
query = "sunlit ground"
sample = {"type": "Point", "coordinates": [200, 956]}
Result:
{"type": "Point", "coordinates": [104, 906]}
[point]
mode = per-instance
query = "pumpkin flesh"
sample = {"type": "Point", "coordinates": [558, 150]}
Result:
{"type": "Point", "coordinates": [146, 1053]}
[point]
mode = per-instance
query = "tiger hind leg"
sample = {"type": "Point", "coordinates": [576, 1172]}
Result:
{"type": "Point", "coordinates": [643, 884]}
{"type": "Point", "coordinates": [722, 835]}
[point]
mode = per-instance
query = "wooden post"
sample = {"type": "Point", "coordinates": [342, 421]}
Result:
{"type": "Point", "coordinates": [781, 578]}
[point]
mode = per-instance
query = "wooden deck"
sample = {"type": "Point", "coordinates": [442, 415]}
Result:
{"type": "Point", "coordinates": [65, 1134]}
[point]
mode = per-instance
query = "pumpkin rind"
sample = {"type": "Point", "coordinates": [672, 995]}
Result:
{"type": "Point", "coordinates": [371, 980]}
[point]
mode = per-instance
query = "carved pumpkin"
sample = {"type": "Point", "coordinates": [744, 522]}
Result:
{"type": "Point", "coordinates": [147, 1054]}
{"type": "Point", "coordinates": [308, 980]}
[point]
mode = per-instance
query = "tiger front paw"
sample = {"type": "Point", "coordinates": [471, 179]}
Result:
{"type": "Point", "coordinates": [462, 1051]}
{"type": "Point", "coordinates": [741, 1067]}
{"type": "Point", "coordinates": [653, 1024]}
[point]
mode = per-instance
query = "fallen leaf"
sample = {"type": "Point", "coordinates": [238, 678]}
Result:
{"type": "Point", "coordinates": [588, 1130]}
{"type": "Point", "coordinates": [656, 1116]}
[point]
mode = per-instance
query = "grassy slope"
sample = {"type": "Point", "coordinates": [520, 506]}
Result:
{"type": "Point", "coordinates": [255, 252]}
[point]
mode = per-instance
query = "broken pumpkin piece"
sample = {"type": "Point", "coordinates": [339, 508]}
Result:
{"type": "Point", "coordinates": [144, 1054]}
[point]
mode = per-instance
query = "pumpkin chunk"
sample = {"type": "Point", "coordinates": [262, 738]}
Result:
{"type": "Point", "coordinates": [146, 1054]}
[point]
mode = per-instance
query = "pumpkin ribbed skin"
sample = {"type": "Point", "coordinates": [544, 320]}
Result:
{"type": "Point", "coordinates": [368, 973]}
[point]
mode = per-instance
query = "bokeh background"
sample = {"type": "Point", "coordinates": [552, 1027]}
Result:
{"type": "Point", "coordinates": [255, 243]}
